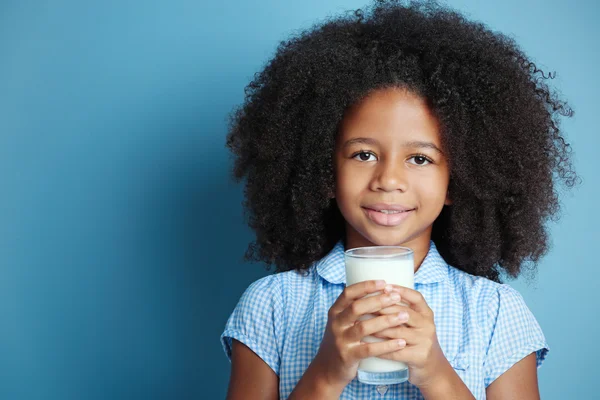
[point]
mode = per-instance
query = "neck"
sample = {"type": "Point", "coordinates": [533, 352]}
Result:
{"type": "Point", "coordinates": [420, 252]}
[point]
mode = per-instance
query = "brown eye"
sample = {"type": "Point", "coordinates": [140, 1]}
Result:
{"type": "Point", "coordinates": [421, 160]}
{"type": "Point", "coordinates": [363, 156]}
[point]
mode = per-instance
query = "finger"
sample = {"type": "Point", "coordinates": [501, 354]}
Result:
{"type": "Point", "coordinates": [354, 292]}
{"type": "Point", "coordinates": [406, 354]}
{"type": "Point", "coordinates": [415, 299]}
{"type": "Point", "coordinates": [364, 306]}
{"type": "Point", "coordinates": [370, 326]}
{"type": "Point", "coordinates": [399, 332]}
{"type": "Point", "coordinates": [394, 309]}
{"type": "Point", "coordinates": [411, 317]}
{"type": "Point", "coordinates": [414, 319]}
{"type": "Point", "coordinates": [365, 350]}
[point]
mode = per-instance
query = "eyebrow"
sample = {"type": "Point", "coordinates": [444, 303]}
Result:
{"type": "Point", "coordinates": [412, 144]}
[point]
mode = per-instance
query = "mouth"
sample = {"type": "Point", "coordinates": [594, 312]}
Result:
{"type": "Point", "coordinates": [385, 217]}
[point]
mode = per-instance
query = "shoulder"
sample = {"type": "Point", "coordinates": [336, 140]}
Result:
{"type": "Point", "coordinates": [265, 289]}
{"type": "Point", "coordinates": [489, 301]}
{"type": "Point", "coordinates": [278, 287]}
{"type": "Point", "coordinates": [491, 296]}
{"type": "Point", "coordinates": [484, 289]}
{"type": "Point", "coordinates": [502, 297]}
{"type": "Point", "coordinates": [472, 287]}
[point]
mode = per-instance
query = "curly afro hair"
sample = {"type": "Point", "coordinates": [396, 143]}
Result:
{"type": "Point", "coordinates": [499, 124]}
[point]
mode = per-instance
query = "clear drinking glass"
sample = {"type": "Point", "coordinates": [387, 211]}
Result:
{"type": "Point", "coordinates": [395, 265]}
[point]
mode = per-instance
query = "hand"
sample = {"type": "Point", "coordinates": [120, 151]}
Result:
{"type": "Point", "coordinates": [422, 353]}
{"type": "Point", "coordinates": [341, 348]}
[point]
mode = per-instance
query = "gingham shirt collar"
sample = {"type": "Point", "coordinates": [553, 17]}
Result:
{"type": "Point", "coordinates": [433, 269]}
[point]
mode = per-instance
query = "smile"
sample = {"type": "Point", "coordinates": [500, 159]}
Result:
{"type": "Point", "coordinates": [387, 217]}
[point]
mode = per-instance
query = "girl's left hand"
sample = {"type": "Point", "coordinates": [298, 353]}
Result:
{"type": "Point", "coordinates": [422, 353]}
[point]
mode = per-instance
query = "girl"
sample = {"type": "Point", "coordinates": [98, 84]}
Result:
{"type": "Point", "coordinates": [406, 125]}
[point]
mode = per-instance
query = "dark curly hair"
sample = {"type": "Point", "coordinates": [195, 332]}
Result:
{"type": "Point", "coordinates": [499, 123]}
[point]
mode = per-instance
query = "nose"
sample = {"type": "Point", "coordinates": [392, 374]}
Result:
{"type": "Point", "coordinates": [390, 176]}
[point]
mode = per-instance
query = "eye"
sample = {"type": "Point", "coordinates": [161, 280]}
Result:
{"type": "Point", "coordinates": [363, 155]}
{"type": "Point", "coordinates": [420, 160]}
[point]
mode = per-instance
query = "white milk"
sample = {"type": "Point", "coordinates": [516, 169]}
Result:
{"type": "Point", "coordinates": [398, 271]}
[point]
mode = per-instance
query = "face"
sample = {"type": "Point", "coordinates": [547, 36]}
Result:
{"type": "Point", "coordinates": [390, 170]}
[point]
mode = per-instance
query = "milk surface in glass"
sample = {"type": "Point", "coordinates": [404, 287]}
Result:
{"type": "Point", "coordinates": [393, 264]}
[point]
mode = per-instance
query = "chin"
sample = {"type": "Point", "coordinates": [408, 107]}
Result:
{"type": "Point", "coordinates": [386, 239]}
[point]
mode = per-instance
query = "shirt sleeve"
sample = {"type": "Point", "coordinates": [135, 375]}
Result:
{"type": "Point", "coordinates": [257, 321]}
{"type": "Point", "coordinates": [515, 333]}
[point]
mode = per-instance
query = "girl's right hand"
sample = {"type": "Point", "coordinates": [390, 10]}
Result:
{"type": "Point", "coordinates": [341, 348]}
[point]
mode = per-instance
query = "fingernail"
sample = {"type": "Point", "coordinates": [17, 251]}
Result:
{"type": "Point", "coordinates": [403, 316]}
{"type": "Point", "coordinates": [395, 296]}
{"type": "Point", "coordinates": [401, 342]}
{"type": "Point", "coordinates": [389, 288]}
{"type": "Point", "coordinates": [380, 284]}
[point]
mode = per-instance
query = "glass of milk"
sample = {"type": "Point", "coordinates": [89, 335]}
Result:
{"type": "Point", "coordinates": [395, 265]}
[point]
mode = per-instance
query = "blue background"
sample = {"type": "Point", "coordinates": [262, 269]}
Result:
{"type": "Point", "coordinates": [121, 234]}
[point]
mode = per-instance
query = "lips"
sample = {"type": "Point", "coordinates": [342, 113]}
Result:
{"type": "Point", "coordinates": [397, 213]}
{"type": "Point", "coordinates": [390, 207]}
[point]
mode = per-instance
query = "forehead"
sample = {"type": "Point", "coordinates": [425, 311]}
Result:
{"type": "Point", "coordinates": [391, 114]}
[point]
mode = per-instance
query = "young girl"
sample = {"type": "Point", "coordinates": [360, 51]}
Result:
{"type": "Point", "coordinates": [406, 125]}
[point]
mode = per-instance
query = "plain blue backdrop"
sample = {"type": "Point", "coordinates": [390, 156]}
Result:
{"type": "Point", "coordinates": [121, 233]}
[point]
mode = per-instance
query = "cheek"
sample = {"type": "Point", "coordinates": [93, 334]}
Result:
{"type": "Point", "coordinates": [345, 186]}
{"type": "Point", "coordinates": [348, 180]}
{"type": "Point", "coordinates": [348, 192]}
{"type": "Point", "coordinates": [432, 190]}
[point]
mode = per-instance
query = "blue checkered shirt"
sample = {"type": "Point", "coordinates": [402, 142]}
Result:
{"type": "Point", "coordinates": [483, 327]}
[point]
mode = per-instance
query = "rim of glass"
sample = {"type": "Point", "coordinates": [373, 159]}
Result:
{"type": "Point", "coordinates": [406, 251]}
